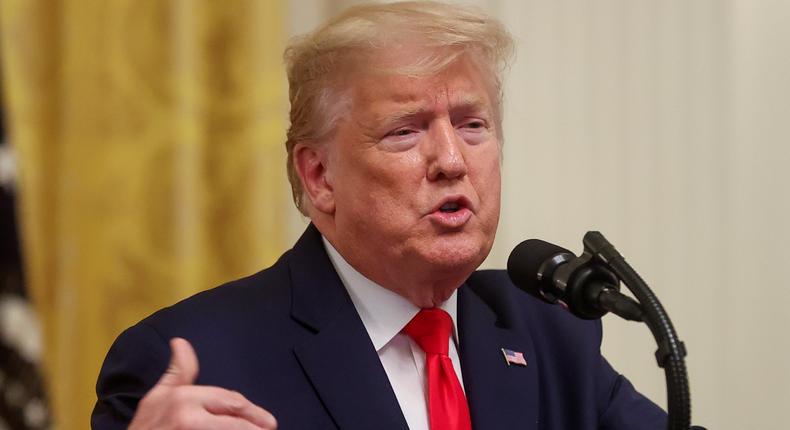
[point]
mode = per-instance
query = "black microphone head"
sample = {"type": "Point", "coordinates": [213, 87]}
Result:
{"type": "Point", "coordinates": [526, 261]}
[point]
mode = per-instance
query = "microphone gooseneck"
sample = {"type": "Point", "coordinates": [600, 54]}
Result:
{"type": "Point", "coordinates": [671, 350]}
{"type": "Point", "coordinates": [588, 286]}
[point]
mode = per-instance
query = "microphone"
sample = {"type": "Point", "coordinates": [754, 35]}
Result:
{"type": "Point", "coordinates": [583, 286]}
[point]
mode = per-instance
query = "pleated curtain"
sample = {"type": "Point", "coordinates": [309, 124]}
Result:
{"type": "Point", "coordinates": [151, 164]}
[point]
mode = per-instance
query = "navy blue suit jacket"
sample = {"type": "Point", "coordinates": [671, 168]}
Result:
{"type": "Point", "coordinates": [290, 340]}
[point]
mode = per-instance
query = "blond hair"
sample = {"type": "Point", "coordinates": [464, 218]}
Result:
{"type": "Point", "coordinates": [317, 61]}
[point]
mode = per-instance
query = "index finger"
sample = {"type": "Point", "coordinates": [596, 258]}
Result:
{"type": "Point", "coordinates": [233, 403]}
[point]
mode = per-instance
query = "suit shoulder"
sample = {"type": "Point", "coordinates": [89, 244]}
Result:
{"type": "Point", "coordinates": [266, 292]}
{"type": "Point", "coordinates": [512, 304]}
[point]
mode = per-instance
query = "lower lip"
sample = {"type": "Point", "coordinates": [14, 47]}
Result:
{"type": "Point", "coordinates": [451, 219]}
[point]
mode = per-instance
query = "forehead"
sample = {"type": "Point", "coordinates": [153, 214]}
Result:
{"type": "Point", "coordinates": [459, 85]}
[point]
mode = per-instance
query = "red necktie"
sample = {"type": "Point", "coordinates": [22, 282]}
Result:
{"type": "Point", "coordinates": [447, 408]}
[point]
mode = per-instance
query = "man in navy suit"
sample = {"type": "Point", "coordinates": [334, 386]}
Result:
{"type": "Point", "coordinates": [376, 319]}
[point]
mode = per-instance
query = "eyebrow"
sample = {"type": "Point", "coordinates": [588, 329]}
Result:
{"type": "Point", "coordinates": [467, 103]}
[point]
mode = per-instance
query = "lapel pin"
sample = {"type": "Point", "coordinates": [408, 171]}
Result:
{"type": "Point", "coordinates": [514, 358]}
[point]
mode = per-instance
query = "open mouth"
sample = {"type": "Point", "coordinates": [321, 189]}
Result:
{"type": "Point", "coordinates": [452, 212]}
{"type": "Point", "coordinates": [450, 207]}
{"type": "Point", "coordinates": [453, 204]}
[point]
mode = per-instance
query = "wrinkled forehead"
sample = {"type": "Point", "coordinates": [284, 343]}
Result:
{"type": "Point", "coordinates": [406, 78]}
{"type": "Point", "coordinates": [446, 92]}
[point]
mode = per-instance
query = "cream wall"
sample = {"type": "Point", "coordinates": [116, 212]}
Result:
{"type": "Point", "coordinates": [665, 125]}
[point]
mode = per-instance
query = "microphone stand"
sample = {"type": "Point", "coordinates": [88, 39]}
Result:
{"type": "Point", "coordinates": [671, 351]}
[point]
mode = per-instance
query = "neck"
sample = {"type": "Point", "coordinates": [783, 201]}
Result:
{"type": "Point", "coordinates": [424, 289]}
{"type": "Point", "coordinates": [424, 295]}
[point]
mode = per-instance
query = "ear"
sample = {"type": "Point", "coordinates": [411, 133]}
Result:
{"type": "Point", "coordinates": [311, 166]}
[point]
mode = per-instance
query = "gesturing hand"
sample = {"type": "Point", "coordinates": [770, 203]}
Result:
{"type": "Point", "coordinates": [176, 403]}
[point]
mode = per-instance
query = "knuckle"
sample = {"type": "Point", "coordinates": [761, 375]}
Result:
{"type": "Point", "coordinates": [236, 401]}
{"type": "Point", "coordinates": [237, 397]}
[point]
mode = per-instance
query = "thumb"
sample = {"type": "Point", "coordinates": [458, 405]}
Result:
{"type": "Point", "coordinates": [183, 368]}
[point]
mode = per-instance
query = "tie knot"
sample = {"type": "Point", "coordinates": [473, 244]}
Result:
{"type": "Point", "coordinates": [431, 329]}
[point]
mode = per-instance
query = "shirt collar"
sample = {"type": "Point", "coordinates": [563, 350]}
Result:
{"type": "Point", "coordinates": [383, 312]}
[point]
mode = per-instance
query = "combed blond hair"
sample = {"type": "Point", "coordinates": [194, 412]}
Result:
{"type": "Point", "coordinates": [317, 62]}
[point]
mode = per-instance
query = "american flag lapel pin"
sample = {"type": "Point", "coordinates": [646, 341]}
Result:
{"type": "Point", "coordinates": [514, 358]}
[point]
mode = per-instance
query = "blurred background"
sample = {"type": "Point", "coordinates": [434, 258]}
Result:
{"type": "Point", "coordinates": [142, 160]}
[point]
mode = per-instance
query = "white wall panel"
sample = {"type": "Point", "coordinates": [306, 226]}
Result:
{"type": "Point", "coordinates": [664, 125]}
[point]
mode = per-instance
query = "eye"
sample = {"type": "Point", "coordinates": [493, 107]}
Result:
{"type": "Point", "coordinates": [400, 139]}
{"type": "Point", "coordinates": [401, 132]}
{"type": "Point", "coordinates": [475, 125]}
{"type": "Point", "coordinates": [474, 130]}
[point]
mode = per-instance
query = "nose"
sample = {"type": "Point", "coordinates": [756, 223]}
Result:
{"type": "Point", "coordinates": [445, 153]}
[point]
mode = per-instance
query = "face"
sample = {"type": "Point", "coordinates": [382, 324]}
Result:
{"type": "Point", "coordinates": [414, 177]}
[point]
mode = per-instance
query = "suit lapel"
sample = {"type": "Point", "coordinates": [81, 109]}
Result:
{"type": "Point", "coordinates": [339, 359]}
{"type": "Point", "coordinates": [345, 370]}
{"type": "Point", "coordinates": [500, 396]}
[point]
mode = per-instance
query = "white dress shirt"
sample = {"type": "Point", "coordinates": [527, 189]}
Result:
{"type": "Point", "coordinates": [384, 314]}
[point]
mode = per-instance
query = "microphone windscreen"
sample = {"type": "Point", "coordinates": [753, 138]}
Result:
{"type": "Point", "coordinates": [525, 262]}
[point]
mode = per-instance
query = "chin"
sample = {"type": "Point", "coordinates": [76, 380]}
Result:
{"type": "Point", "coordinates": [459, 257]}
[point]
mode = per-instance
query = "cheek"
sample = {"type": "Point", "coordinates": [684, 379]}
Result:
{"type": "Point", "coordinates": [380, 184]}
{"type": "Point", "coordinates": [487, 172]}
{"type": "Point", "coordinates": [489, 188]}
{"type": "Point", "coordinates": [395, 175]}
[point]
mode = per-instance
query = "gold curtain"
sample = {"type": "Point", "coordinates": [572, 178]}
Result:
{"type": "Point", "coordinates": [149, 135]}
